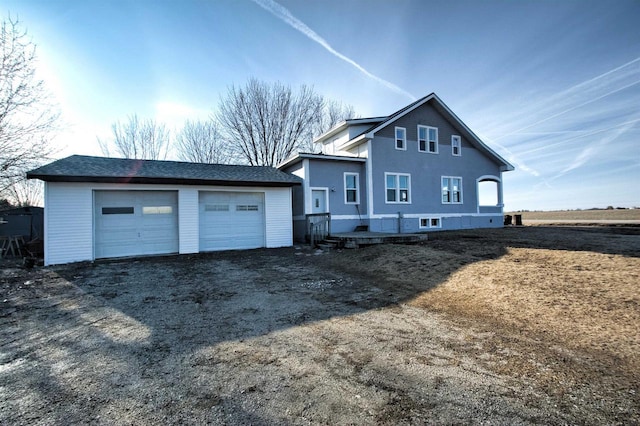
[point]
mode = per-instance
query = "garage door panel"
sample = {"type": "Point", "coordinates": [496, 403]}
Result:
{"type": "Point", "coordinates": [231, 220]}
{"type": "Point", "coordinates": [149, 226]}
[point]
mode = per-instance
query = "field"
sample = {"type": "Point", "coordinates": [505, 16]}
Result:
{"type": "Point", "coordinates": [578, 216]}
{"type": "Point", "coordinates": [527, 325]}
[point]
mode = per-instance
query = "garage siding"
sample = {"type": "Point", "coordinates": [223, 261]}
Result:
{"type": "Point", "coordinates": [278, 217]}
{"type": "Point", "coordinates": [188, 230]}
{"type": "Point", "coordinates": [69, 217]}
{"type": "Point", "coordinates": [68, 223]}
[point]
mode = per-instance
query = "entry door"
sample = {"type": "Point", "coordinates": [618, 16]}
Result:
{"type": "Point", "coordinates": [319, 201]}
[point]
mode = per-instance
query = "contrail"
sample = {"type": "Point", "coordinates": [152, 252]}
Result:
{"type": "Point", "coordinates": [283, 14]}
{"type": "Point", "coordinates": [586, 89]}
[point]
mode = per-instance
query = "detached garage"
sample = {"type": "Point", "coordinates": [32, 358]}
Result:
{"type": "Point", "coordinates": [99, 207]}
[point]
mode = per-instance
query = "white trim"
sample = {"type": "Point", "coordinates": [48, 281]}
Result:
{"type": "Point", "coordinates": [404, 139]}
{"type": "Point", "coordinates": [369, 171]}
{"type": "Point", "coordinates": [406, 216]}
{"type": "Point", "coordinates": [461, 190]}
{"type": "Point", "coordinates": [306, 191]}
{"type": "Point", "coordinates": [459, 140]}
{"type": "Point", "coordinates": [409, 197]}
{"type": "Point", "coordinates": [326, 197]}
{"type": "Point", "coordinates": [302, 156]}
{"type": "Point", "coordinates": [357, 188]}
{"type": "Point", "coordinates": [491, 178]}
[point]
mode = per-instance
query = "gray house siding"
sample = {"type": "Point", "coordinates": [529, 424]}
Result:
{"type": "Point", "coordinates": [328, 175]}
{"type": "Point", "coordinates": [374, 141]}
{"type": "Point", "coordinates": [426, 171]}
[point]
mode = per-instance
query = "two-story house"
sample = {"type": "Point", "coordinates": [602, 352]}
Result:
{"type": "Point", "coordinates": [420, 168]}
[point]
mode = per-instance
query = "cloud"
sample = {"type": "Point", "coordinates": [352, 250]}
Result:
{"type": "Point", "coordinates": [284, 15]}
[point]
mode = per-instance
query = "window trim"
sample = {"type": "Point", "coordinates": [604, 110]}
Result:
{"type": "Point", "coordinates": [397, 189]}
{"type": "Point", "coordinates": [442, 178]}
{"type": "Point", "coordinates": [458, 139]}
{"type": "Point", "coordinates": [404, 138]}
{"type": "Point", "coordinates": [429, 219]}
{"type": "Point", "coordinates": [357, 188]}
{"type": "Point", "coordinates": [426, 141]}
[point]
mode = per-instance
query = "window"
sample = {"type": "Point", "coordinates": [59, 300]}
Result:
{"type": "Point", "coordinates": [157, 210]}
{"type": "Point", "coordinates": [430, 222]}
{"type": "Point", "coordinates": [246, 208]}
{"type": "Point", "coordinates": [117, 210]}
{"type": "Point", "coordinates": [398, 188]}
{"type": "Point", "coordinates": [428, 139]}
{"type": "Point", "coordinates": [456, 145]}
{"type": "Point", "coordinates": [451, 190]}
{"type": "Point", "coordinates": [351, 188]}
{"type": "Point", "coordinates": [401, 138]}
{"type": "Point", "coordinates": [216, 207]}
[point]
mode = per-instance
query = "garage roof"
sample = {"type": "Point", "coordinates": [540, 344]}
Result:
{"type": "Point", "coordinates": [81, 168]}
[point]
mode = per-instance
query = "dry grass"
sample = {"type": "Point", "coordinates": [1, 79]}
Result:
{"type": "Point", "coordinates": [561, 305]}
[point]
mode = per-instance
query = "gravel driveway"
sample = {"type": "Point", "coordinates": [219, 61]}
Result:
{"type": "Point", "coordinates": [252, 337]}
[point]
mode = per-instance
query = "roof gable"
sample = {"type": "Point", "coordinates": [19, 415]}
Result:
{"type": "Point", "coordinates": [80, 168]}
{"type": "Point", "coordinates": [449, 115]}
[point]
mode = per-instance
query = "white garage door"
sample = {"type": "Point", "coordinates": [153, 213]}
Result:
{"type": "Point", "coordinates": [231, 220]}
{"type": "Point", "coordinates": [129, 223]}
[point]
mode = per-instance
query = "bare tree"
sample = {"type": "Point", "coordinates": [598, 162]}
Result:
{"type": "Point", "coordinates": [28, 120]}
{"type": "Point", "coordinates": [265, 123]}
{"type": "Point", "coordinates": [333, 112]}
{"type": "Point", "coordinates": [201, 142]}
{"type": "Point", "coordinates": [140, 139]}
{"type": "Point", "coordinates": [26, 193]}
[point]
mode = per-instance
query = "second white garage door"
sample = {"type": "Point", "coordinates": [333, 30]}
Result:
{"type": "Point", "coordinates": [231, 220]}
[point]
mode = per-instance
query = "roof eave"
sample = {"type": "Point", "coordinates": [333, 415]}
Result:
{"type": "Point", "coordinates": [158, 180]}
{"type": "Point", "coordinates": [364, 137]}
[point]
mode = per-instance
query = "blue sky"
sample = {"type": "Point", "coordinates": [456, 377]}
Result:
{"type": "Point", "coordinates": [552, 86]}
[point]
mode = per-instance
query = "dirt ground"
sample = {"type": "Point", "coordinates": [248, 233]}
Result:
{"type": "Point", "coordinates": [529, 325]}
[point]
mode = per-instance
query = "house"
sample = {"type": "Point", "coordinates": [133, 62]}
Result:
{"type": "Point", "coordinates": [108, 207]}
{"type": "Point", "coordinates": [418, 169]}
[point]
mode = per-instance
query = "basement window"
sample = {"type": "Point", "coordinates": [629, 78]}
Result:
{"type": "Point", "coordinates": [430, 222]}
{"type": "Point", "coordinates": [157, 210]}
{"type": "Point", "coordinates": [117, 210]}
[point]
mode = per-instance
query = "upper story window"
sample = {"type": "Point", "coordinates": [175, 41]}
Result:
{"type": "Point", "coordinates": [401, 138]}
{"type": "Point", "coordinates": [398, 187]}
{"type": "Point", "coordinates": [351, 188]}
{"type": "Point", "coordinates": [451, 190]}
{"type": "Point", "coordinates": [428, 139]}
{"type": "Point", "coordinates": [456, 145]}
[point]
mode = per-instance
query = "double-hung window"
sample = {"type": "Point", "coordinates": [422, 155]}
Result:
{"type": "Point", "coordinates": [401, 138]}
{"type": "Point", "coordinates": [398, 187]}
{"type": "Point", "coordinates": [428, 139]}
{"type": "Point", "coordinates": [456, 145]}
{"type": "Point", "coordinates": [351, 188]}
{"type": "Point", "coordinates": [451, 190]}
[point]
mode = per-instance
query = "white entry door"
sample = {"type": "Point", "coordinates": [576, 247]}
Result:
{"type": "Point", "coordinates": [318, 201]}
{"type": "Point", "coordinates": [131, 223]}
{"type": "Point", "coordinates": [231, 220]}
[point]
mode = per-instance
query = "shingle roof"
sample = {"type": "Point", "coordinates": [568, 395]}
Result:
{"type": "Point", "coordinates": [80, 168]}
